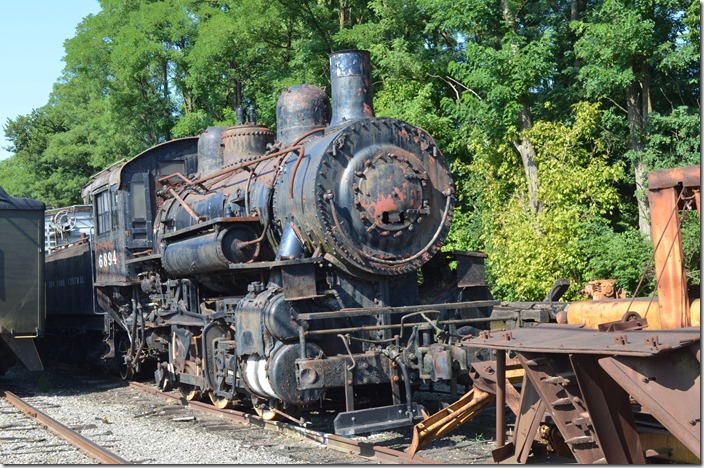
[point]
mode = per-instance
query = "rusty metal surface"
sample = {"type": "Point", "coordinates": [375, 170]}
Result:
{"type": "Point", "coordinates": [299, 281]}
{"type": "Point", "coordinates": [668, 387]}
{"type": "Point", "coordinates": [565, 403]}
{"type": "Point", "coordinates": [589, 402]}
{"type": "Point", "coordinates": [603, 289]}
{"type": "Point", "coordinates": [299, 110]}
{"type": "Point", "coordinates": [687, 176]}
{"type": "Point", "coordinates": [500, 397]}
{"type": "Point", "coordinates": [246, 142]}
{"type": "Point", "coordinates": [88, 447]}
{"type": "Point", "coordinates": [484, 376]}
{"type": "Point", "coordinates": [662, 445]}
{"type": "Point", "coordinates": [669, 258]}
{"type": "Point", "coordinates": [532, 409]}
{"type": "Point", "coordinates": [350, 79]}
{"type": "Point", "coordinates": [670, 191]}
{"type": "Point", "coordinates": [609, 410]}
{"type": "Point", "coordinates": [447, 419]}
{"type": "Point", "coordinates": [565, 339]}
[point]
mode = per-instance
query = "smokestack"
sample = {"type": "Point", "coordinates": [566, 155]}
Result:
{"type": "Point", "coordinates": [350, 77]}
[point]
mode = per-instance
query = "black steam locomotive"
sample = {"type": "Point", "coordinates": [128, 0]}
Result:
{"type": "Point", "coordinates": [284, 271]}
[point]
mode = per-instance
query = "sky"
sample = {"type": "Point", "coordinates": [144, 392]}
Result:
{"type": "Point", "coordinates": [32, 35]}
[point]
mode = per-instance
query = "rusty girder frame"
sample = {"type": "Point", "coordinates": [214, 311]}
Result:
{"type": "Point", "coordinates": [583, 379]}
{"type": "Point", "coordinates": [670, 191]}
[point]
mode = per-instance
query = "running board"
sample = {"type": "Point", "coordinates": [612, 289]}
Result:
{"type": "Point", "coordinates": [377, 419]}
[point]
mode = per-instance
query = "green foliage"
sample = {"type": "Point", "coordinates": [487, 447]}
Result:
{"type": "Point", "coordinates": [526, 253]}
{"type": "Point", "coordinates": [622, 256]}
{"type": "Point", "coordinates": [674, 138]}
{"type": "Point", "coordinates": [692, 247]}
{"type": "Point", "coordinates": [487, 79]}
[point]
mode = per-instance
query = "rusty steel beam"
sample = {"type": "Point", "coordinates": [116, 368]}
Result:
{"type": "Point", "coordinates": [449, 418]}
{"type": "Point", "coordinates": [483, 374]}
{"type": "Point", "coordinates": [553, 378]}
{"type": "Point", "coordinates": [666, 190]}
{"type": "Point", "coordinates": [500, 397]}
{"type": "Point", "coordinates": [668, 387]}
{"type": "Point", "coordinates": [684, 176]}
{"type": "Point", "coordinates": [568, 339]}
{"type": "Point", "coordinates": [697, 202]}
{"type": "Point", "coordinates": [610, 412]}
{"type": "Point", "coordinates": [531, 412]}
{"type": "Point", "coordinates": [669, 258]}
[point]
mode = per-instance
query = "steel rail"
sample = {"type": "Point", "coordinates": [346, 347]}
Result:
{"type": "Point", "coordinates": [332, 441]}
{"type": "Point", "coordinates": [86, 446]}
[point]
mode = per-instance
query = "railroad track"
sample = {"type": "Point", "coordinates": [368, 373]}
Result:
{"type": "Point", "coordinates": [156, 427]}
{"type": "Point", "coordinates": [331, 441]}
{"type": "Point", "coordinates": [91, 449]}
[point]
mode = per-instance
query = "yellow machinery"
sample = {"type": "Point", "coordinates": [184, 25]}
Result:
{"type": "Point", "coordinates": [669, 192]}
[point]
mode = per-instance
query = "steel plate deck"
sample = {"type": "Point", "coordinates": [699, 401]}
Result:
{"type": "Point", "coordinates": [554, 338]}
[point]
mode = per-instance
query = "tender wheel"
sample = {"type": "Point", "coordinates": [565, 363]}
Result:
{"type": "Point", "coordinates": [219, 402]}
{"type": "Point", "coordinates": [190, 392]}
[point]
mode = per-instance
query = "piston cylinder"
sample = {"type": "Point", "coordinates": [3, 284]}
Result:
{"type": "Point", "coordinates": [209, 252]}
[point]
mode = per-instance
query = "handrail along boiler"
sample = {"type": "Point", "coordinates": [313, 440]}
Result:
{"type": "Point", "coordinates": [284, 270]}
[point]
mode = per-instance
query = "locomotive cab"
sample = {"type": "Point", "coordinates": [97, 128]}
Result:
{"type": "Point", "coordinates": [124, 199]}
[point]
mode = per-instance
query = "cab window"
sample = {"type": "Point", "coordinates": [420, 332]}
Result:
{"type": "Point", "coordinates": [113, 194]}
{"type": "Point", "coordinates": [167, 168]}
{"type": "Point", "coordinates": [102, 210]}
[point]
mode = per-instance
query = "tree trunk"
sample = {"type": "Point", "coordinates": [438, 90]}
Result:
{"type": "Point", "coordinates": [527, 152]}
{"type": "Point", "coordinates": [525, 147]}
{"type": "Point", "coordinates": [237, 95]}
{"type": "Point", "coordinates": [341, 14]}
{"type": "Point", "coordinates": [576, 9]}
{"type": "Point", "coordinates": [639, 106]}
{"type": "Point", "coordinates": [167, 113]}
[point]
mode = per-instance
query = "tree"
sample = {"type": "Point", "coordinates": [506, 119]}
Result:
{"type": "Point", "coordinates": [634, 52]}
{"type": "Point", "coordinates": [550, 113]}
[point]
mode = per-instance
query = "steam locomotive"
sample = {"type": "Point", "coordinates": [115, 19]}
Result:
{"type": "Point", "coordinates": [284, 271]}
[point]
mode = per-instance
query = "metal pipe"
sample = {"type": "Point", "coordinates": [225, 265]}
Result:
{"type": "Point", "coordinates": [290, 246]}
{"type": "Point", "coordinates": [302, 341]}
{"type": "Point", "coordinates": [500, 397]}
{"type": "Point", "coordinates": [359, 312]}
{"type": "Point", "coordinates": [185, 206]}
{"type": "Point", "coordinates": [391, 327]}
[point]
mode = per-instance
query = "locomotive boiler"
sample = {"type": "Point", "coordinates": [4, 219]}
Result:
{"type": "Point", "coordinates": [283, 270]}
